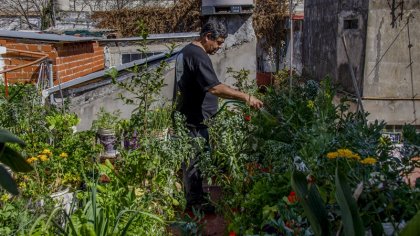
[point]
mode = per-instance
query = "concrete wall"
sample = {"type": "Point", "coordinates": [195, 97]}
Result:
{"type": "Point", "coordinates": [389, 78]}
{"type": "Point", "coordinates": [320, 38]}
{"type": "Point", "coordinates": [323, 48]}
{"type": "Point", "coordinates": [355, 38]}
{"type": "Point", "coordinates": [238, 52]}
{"type": "Point", "coordinates": [114, 50]}
{"type": "Point", "coordinates": [239, 49]}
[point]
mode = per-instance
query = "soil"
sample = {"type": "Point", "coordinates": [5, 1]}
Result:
{"type": "Point", "coordinates": [213, 223]}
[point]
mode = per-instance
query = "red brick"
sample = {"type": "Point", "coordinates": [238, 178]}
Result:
{"type": "Point", "coordinates": [46, 48]}
{"type": "Point", "coordinates": [11, 75]}
{"type": "Point", "coordinates": [59, 67]}
{"type": "Point", "coordinates": [22, 47]}
{"type": "Point", "coordinates": [52, 55]}
{"type": "Point", "coordinates": [28, 69]}
{"type": "Point", "coordinates": [33, 48]}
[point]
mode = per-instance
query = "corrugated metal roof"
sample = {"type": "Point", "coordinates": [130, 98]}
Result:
{"type": "Point", "coordinates": [43, 36]}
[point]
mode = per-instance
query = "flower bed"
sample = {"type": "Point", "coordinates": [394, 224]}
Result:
{"type": "Point", "coordinates": [302, 165]}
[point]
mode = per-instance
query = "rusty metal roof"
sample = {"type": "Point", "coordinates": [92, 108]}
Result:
{"type": "Point", "coordinates": [43, 36]}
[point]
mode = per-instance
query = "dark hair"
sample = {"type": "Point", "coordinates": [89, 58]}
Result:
{"type": "Point", "coordinates": [215, 28]}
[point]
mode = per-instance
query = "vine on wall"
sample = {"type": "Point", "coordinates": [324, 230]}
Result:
{"type": "Point", "coordinates": [184, 16]}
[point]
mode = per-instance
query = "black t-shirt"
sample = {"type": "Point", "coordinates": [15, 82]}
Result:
{"type": "Point", "coordinates": [195, 76]}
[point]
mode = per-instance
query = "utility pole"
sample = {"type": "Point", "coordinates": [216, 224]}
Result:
{"type": "Point", "coordinates": [291, 42]}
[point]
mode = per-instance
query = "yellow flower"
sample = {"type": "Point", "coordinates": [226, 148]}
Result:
{"type": "Point", "coordinates": [64, 155]}
{"type": "Point", "coordinates": [22, 185]}
{"type": "Point", "coordinates": [31, 160]}
{"type": "Point", "coordinates": [5, 197]}
{"type": "Point", "coordinates": [332, 155]}
{"type": "Point", "coordinates": [46, 152]}
{"type": "Point", "coordinates": [310, 104]}
{"type": "Point", "coordinates": [354, 156]}
{"type": "Point", "coordinates": [343, 152]}
{"type": "Point", "coordinates": [368, 161]}
{"type": "Point", "coordinates": [43, 157]}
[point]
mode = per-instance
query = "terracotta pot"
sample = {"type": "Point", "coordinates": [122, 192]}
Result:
{"type": "Point", "coordinates": [264, 79]}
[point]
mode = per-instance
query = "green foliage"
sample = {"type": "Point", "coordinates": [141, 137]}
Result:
{"type": "Point", "coordinates": [242, 81]}
{"type": "Point", "coordinates": [229, 134]}
{"type": "Point", "coordinates": [17, 215]}
{"type": "Point", "coordinates": [106, 120]}
{"type": "Point", "coordinates": [91, 218]}
{"type": "Point", "coordinates": [352, 222]}
{"type": "Point", "coordinates": [312, 204]}
{"type": "Point", "coordinates": [410, 134]}
{"type": "Point", "coordinates": [11, 158]}
{"type": "Point", "coordinates": [190, 225]}
{"type": "Point", "coordinates": [144, 85]}
{"type": "Point", "coordinates": [413, 226]}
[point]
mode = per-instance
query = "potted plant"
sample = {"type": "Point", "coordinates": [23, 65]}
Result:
{"type": "Point", "coordinates": [105, 127]}
{"type": "Point", "coordinates": [128, 133]}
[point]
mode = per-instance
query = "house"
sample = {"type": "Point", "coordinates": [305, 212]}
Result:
{"type": "Point", "coordinates": [71, 57]}
{"type": "Point", "coordinates": [378, 42]}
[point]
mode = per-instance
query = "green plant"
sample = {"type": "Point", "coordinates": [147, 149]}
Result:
{"type": "Point", "coordinates": [145, 85]}
{"type": "Point", "coordinates": [106, 120]}
{"type": "Point", "coordinates": [413, 226]}
{"type": "Point", "coordinates": [90, 218]}
{"type": "Point", "coordinates": [242, 81]}
{"type": "Point", "coordinates": [17, 214]}
{"type": "Point", "coordinates": [11, 158]}
{"type": "Point", "coordinates": [190, 225]}
{"type": "Point", "coordinates": [312, 203]}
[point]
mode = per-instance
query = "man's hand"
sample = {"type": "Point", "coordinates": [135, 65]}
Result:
{"type": "Point", "coordinates": [224, 91]}
{"type": "Point", "coordinates": [255, 102]}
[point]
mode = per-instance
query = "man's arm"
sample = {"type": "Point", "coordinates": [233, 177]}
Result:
{"type": "Point", "coordinates": [224, 91]}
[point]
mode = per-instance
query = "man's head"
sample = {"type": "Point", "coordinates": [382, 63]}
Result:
{"type": "Point", "coordinates": [212, 36]}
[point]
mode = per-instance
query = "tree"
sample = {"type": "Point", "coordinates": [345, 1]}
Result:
{"type": "Point", "coordinates": [105, 5]}
{"type": "Point", "coordinates": [26, 9]}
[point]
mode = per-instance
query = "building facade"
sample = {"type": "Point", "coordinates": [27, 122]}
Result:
{"type": "Point", "coordinates": [382, 41]}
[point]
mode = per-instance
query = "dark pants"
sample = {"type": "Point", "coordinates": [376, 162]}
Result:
{"type": "Point", "coordinates": [191, 174]}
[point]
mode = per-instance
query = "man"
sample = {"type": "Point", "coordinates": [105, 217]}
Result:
{"type": "Point", "coordinates": [199, 90]}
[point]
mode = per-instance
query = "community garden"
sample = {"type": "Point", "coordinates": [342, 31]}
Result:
{"type": "Point", "coordinates": [303, 165]}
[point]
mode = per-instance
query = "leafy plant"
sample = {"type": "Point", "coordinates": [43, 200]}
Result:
{"type": "Point", "coordinates": [106, 120]}
{"type": "Point", "coordinates": [145, 84]}
{"type": "Point", "coordinates": [312, 204]}
{"type": "Point", "coordinates": [12, 159]}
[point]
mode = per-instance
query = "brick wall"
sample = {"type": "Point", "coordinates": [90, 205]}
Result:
{"type": "Point", "coordinates": [70, 60]}
{"type": "Point", "coordinates": [78, 59]}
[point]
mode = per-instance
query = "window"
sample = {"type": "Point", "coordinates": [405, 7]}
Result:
{"type": "Point", "coordinates": [129, 57]}
{"type": "Point", "coordinates": [351, 24]}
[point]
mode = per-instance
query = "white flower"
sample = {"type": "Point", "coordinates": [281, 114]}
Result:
{"type": "Point", "coordinates": [299, 164]}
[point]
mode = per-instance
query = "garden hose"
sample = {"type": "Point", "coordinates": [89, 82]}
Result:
{"type": "Point", "coordinates": [225, 104]}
